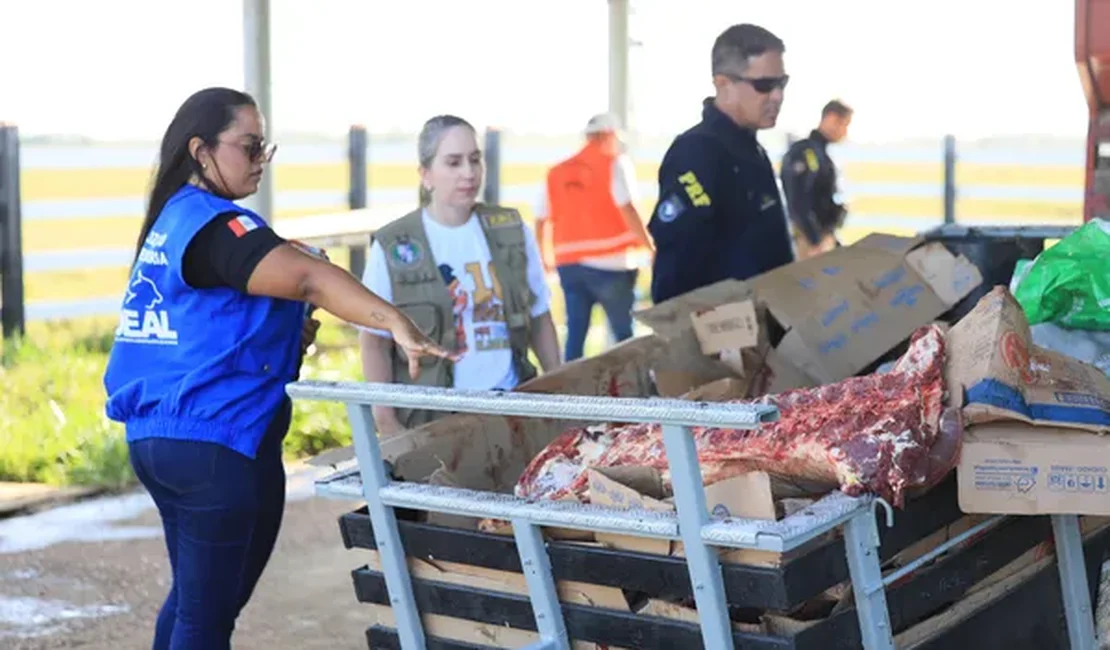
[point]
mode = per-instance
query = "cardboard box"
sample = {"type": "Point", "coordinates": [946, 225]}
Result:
{"type": "Point", "coordinates": [1017, 468]}
{"type": "Point", "coordinates": [466, 445]}
{"type": "Point", "coordinates": [844, 310]}
{"type": "Point", "coordinates": [1005, 377]}
{"type": "Point", "coordinates": [1032, 444]}
{"type": "Point", "coordinates": [823, 319]}
{"type": "Point", "coordinates": [726, 331]}
{"type": "Point", "coordinates": [748, 495]}
{"type": "Point", "coordinates": [482, 452]}
{"type": "Point", "coordinates": [677, 322]}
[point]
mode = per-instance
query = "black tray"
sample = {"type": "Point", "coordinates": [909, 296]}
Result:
{"type": "Point", "coordinates": [800, 577]}
{"type": "Point", "coordinates": [1027, 617]}
{"type": "Point", "coordinates": [749, 588]}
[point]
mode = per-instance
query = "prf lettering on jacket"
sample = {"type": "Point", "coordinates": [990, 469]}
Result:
{"type": "Point", "coordinates": [694, 189]}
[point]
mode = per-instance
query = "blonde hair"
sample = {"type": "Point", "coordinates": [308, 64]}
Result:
{"type": "Point", "coordinates": [427, 145]}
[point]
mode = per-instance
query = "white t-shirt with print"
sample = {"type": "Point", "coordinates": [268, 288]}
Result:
{"type": "Point", "coordinates": [463, 256]}
{"type": "Point", "coordinates": [624, 190]}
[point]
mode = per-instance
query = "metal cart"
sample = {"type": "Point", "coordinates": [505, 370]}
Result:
{"type": "Point", "coordinates": [690, 522]}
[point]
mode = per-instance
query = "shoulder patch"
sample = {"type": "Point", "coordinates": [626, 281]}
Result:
{"type": "Point", "coordinates": [501, 219]}
{"type": "Point", "coordinates": [243, 224]}
{"type": "Point", "coordinates": [811, 160]}
{"type": "Point", "coordinates": [670, 208]}
{"type": "Point", "coordinates": [405, 253]}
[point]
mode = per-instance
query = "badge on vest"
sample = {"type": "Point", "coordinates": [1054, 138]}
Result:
{"type": "Point", "coordinates": [500, 219]}
{"type": "Point", "coordinates": [140, 320]}
{"type": "Point", "coordinates": [405, 253]}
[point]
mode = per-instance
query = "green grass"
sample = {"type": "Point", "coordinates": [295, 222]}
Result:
{"type": "Point", "coordinates": [52, 409]}
{"type": "Point", "coordinates": [52, 420]}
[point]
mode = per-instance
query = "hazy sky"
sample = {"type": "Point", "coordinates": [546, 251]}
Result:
{"type": "Point", "coordinates": [119, 68]}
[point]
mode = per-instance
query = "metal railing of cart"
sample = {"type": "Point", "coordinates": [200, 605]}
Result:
{"type": "Point", "coordinates": [690, 522]}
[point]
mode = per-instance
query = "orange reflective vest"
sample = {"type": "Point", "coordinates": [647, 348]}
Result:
{"type": "Point", "coordinates": [585, 221]}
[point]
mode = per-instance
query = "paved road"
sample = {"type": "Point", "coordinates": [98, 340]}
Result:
{"type": "Point", "coordinates": [92, 577]}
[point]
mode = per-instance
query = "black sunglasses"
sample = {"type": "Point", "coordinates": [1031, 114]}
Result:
{"type": "Point", "coordinates": [257, 150]}
{"type": "Point", "coordinates": [763, 85]}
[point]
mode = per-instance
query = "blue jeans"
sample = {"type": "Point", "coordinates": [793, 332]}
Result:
{"type": "Point", "coordinates": [583, 287]}
{"type": "Point", "coordinates": [221, 512]}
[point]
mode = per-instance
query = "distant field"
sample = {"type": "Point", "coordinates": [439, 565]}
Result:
{"type": "Point", "coordinates": [82, 205]}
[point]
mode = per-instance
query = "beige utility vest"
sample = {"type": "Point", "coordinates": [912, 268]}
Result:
{"type": "Point", "coordinates": [420, 292]}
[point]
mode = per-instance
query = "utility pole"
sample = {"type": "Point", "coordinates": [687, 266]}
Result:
{"type": "Point", "coordinates": [618, 60]}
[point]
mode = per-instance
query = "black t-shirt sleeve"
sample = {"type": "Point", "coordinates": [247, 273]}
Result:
{"type": "Point", "coordinates": [224, 254]}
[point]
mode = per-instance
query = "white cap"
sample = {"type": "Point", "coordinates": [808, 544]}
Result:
{"type": "Point", "coordinates": [604, 123]}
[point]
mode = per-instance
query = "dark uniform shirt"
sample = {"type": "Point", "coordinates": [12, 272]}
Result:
{"type": "Point", "coordinates": [219, 256]}
{"type": "Point", "coordinates": [809, 182]}
{"type": "Point", "coordinates": [719, 213]}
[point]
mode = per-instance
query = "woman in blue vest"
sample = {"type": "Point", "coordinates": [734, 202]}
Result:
{"type": "Point", "coordinates": [212, 327]}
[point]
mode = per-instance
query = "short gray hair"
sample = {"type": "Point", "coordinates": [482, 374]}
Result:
{"type": "Point", "coordinates": [739, 43]}
{"type": "Point", "coordinates": [427, 145]}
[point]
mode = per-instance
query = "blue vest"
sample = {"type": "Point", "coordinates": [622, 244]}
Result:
{"type": "Point", "coordinates": [208, 364]}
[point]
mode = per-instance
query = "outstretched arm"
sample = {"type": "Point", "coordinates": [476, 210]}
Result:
{"type": "Point", "coordinates": [286, 272]}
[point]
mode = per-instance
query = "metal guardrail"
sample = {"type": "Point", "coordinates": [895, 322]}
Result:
{"type": "Point", "coordinates": [690, 521]}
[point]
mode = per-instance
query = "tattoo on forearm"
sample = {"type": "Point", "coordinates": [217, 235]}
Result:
{"type": "Point", "coordinates": [377, 317]}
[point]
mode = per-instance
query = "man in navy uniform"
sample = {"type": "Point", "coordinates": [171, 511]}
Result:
{"type": "Point", "coordinates": [719, 213]}
{"type": "Point", "coordinates": [809, 182]}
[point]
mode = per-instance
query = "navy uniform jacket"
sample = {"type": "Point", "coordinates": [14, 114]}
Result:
{"type": "Point", "coordinates": [809, 182]}
{"type": "Point", "coordinates": [719, 213]}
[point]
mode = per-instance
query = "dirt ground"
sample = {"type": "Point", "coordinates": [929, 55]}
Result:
{"type": "Point", "coordinates": [105, 595]}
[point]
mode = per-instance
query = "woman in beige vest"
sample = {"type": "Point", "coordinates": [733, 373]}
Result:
{"type": "Point", "coordinates": [469, 275]}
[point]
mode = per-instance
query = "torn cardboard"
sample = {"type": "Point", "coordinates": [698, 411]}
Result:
{"type": "Point", "coordinates": [625, 370]}
{"type": "Point", "coordinates": [726, 331]}
{"type": "Point", "coordinates": [764, 369]}
{"type": "Point", "coordinates": [485, 452]}
{"type": "Point", "coordinates": [1005, 377]}
{"type": "Point", "coordinates": [731, 326]}
{"type": "Point", "coordinates": [844, 310]}
{"type": "Point", "coordinates": [747, 495]}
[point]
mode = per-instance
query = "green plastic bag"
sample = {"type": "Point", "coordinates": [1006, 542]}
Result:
{"type": "Point", "coordinates": [1069, 284]}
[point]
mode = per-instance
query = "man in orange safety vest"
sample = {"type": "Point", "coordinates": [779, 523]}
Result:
{"type": "Point", "coordinates": [588, 224]}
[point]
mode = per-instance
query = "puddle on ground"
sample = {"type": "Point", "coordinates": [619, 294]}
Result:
{"type": "Point", "coordinates": [88, 521]}
{"type": "Point", "coordinates": [98, 519]}
{"type": "Point", "coordinates": [24, 617]}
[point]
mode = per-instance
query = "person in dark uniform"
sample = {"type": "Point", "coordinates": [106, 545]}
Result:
{"type": "Point", "coordinates": [719, 214]}
{"type": "Point", "coordinates": [809, 182]}
{"type": "Point", "coordinates": [213, 324]}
